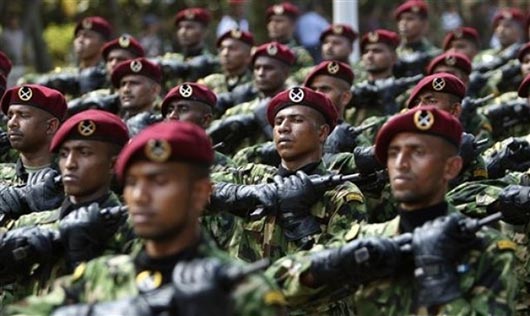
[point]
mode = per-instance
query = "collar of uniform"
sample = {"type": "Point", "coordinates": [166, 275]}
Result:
{"type": "Point", "coordinates": [68, 206]}
{"type": "Point", "coordinates": [311, 168]}
{"type": "Point", "coordinates": [193, 52]}
{"type": "Point", "coordinates": [22, 173]}
{"type": "Point", "coordinates": [408, 220]}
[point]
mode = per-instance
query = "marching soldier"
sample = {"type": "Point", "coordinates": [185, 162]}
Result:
{"type": "Point", "coordinates": [464, 40]}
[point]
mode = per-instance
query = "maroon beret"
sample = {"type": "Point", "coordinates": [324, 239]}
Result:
{"type": "Point", "coordinates": [468, 33]}
{"type": "Point", "coordinates": [523, 51]}
{"type": "Point", "coordinates": [339, 30]}
{"type": "Point", "coordinates": [380, 36]}
{"type": "Point", "coordinates": [125, 42]}
{"type": "Point", "coordinates": [452, 59]}
{"type": "Point", "coordinates": [423, 119]}
{"type": "Point", "coordinates": [96, 24]}
{"type": "Point", "coordinates": [510, 14]}
{"type": "Point", "coordinates": [440, 82]}
{"type": "Point", "coordinates": [138, 66]}
{"type": "Point", "coordinates": [200, 15]}
{"type": "Point", "coordinates": [303, 96]}
{"type": "Point", "coordinates": [333, 69]}
{"type": "Point", "coordinates": [92, 125]}
{"type": "Point", "coordinates": [44, 98]}
{"type": "Point", "coordinates": [284, 8]}
{"type": "Point", "coordinates": [415, 6]}
{"type": "Point", "coordinates": [5, 64]}
{"type": "Point", "coordinates": [167, 141]}
{"type": "Point", "coordinates": [189, 91]}
{"type": "Point", "coordinates": [274, 50]}
{"type": "Point", "coordinates": [245, 37]}
{"type": "Point", "coordinates": [522, 91]}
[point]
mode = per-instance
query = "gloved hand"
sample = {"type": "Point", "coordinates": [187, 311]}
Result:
{"type": "Point", "coordinates": [341, 139]}
{"type": "Point", "coordinates": [5, 145]}
{"type": "Point", "coordinates": [269, 155]}
{"type": "Point", "coordinates": [365, 160]}
{"type": "Point", "coordinates": [233, 129]}
{"type": "Point", "coordinates": [296, 195]}
{"type": "Point", "coordinates": [514, 204]}
{"type": "Point", "coordinates": [359, 261]}
{"type": "Point", "coordinates": [241, 199]}
{"type": "Point", "coordinates": [86, 231]}
{"type": "Point", "coordinates": [12, 202]}
{"type": "Point", "coordinates": [515, 156]}
{"type": "Point", "coordinates": [23, 247]}
{"type": "Point", "coordinates": [467, 148]}
{"type": "Point", "coordinates": [260, 116]}
{"type": "Point", "coordinates": [437, 246]}
{"type": "Point", "coordinates": [46, 192]}
{"type": "Point", "coordinates": [137, 123]}
{"type": "Point", "coordinates": [202, 288]}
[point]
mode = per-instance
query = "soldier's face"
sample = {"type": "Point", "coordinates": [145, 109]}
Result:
{"type": "Point", "coordinates": [234, 55]}
{"type": "Point", "coordinates": [440, 100]}
{"type": "Point", "coordinates": [115, 57]}
{"type": "Point", "coordinates": [28, 128]}
{"type": "Point", "coordinates": [411, 26]}
{"type": "Point", "coordinates": [508, 32]}
{"type": "Point", "coordinates": [464, 46]}
{"type": "Point", "coordinates": [190, 33]}
{"type": "Point", "coordinates": [190, 111]}
{"type": "Point", "coordinates": [337, 90]}
{"type": "Point", "coordinates": [164, 199]}
{"type": "Point", "coordinates": [299, 133]}
{"type": "Point", "coordinates": [87, 44]}
{"type": "Point", "coordinates": [137, 93]}
{"type": "Point", "coordinates": [420, 167]}
{"type": "Point", "coordinates": [280, 27]}
{"type": "Point", "coordinates": [525, 65]}
{"type": "Point", "coordinates": [335, 47]}
{"type": "Point", "coordinates": [269, 73]}
{"type": "Point", "coordinates": [86, 169]}
{"type": "Point", "coordinates": [378, 58]}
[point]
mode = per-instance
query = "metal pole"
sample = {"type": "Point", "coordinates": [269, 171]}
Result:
{"type": "Point", "coordinates": [347, 12]}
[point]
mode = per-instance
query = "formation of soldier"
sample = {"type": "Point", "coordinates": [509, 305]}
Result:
{"type": "Point", "coordinates": [254, 182]}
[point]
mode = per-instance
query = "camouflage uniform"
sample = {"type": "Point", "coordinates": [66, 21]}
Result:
{"type": "Point", "coordinates": [405, 51]}
{"type": "Point", "coordinates": [303, 57]}
{"type": "Point", "coordinates": [220, 83]}
{"type": "Point", "coordinates": [114, 277]}
{"type": "Point", "coordinates": [487, 282]}
{"type": "Point", "coordinates": [254, 239]}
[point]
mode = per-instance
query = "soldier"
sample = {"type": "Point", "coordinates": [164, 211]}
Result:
{"type": "Point", "coordinates": [5, 64]}
{"type": "Point", "coordinates": [34, 114]}
{"type": "Point", "coordinates": [281, 22]}
{"type": "Point", "coordinates": [234, 49]}
{"type": "Point", "coordinates": [415, 51]}
{"type": "Point", "coordinates": [271, 64]}
{"type": "Point", "coordinates": [420, 148]}
{"type": "Point", "coordinates": [165, 172]}
{"type": "Point", "coordinates": [114, 52]}
{"type": "Point", "coordinates": [91, 33]}
{"type": "Point", "coordinates": [301, 120]}
{"type": "Point", "coordinates": [454, 63]}
{"type": "Point", "coordinates": [138, 83]}
{"type": "Point", "coordinates": [464, 40]}
{"type": "Point", "coordinates": [87, 145]}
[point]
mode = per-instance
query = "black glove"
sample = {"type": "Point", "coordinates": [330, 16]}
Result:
{"type": "Point", "coordinates": [201, 288]}
{"type": "Point", "coordinates": [296, 195]}
{"type": "Point", "coordinates": [467, 149]}
{"type": "Point", "coordinates": [5, 145]}
{"type": "Point", "coordinates": [23, 247]}
{"type": "Point", "coordinates": [269, 155]}
{"type": "Point", "coordinates": [232, 130]}
{"type": "Point", "coordinates": [13, 203]}
{"type": "Point", "coordinates": [437, 246]}
{"type": "Point", "coordinates": [260, 115]}
{"type": "Point", "coordinates": [137, 123]}
{"type": "Point", "coordinates": [47, 193]}
{"type": "Point", "coordinates": [86, 231]}
{"type": "Point", "coordinates": [365, 160]}
{"type": "Point", "coordinates": [341, 139]}
{"type": "Point", "coordinates": [241, 199]}
{"type": "Point", "coordinates": [515, 156]}
{"type": "Point", "coordinates": [359, 261]}
{"type": "Point", "coordinates": [514, 204]}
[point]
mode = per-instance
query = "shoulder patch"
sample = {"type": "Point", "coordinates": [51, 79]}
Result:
{"type": "Point", "coordinates": [274, 298]}
{"type": "Point", "coordinates": [79, 271]}
{"type": "Point", "coordinates": [506, 245]}
{"type": "Point", "coordinates": [480, 173]}
{"type": "Point", "coordinates": [354, 196]}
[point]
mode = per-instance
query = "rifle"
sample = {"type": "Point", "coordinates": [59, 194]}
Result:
{"type": "Point", "coordinates": [505, 115]}
{"type": "Point", "coordinates": [343, 137]}
{"type": "Point", "coordinates": [498, 59]}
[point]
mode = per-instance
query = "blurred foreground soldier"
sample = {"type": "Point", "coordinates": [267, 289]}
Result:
{"type": "Point", "coordinates": [165, 172]}
{"type": "Point", "coordinates": [34, 114]}
{"type": "Point", "coordinates": [301, 119]}
{"type": "Point", "coordinates": [138, 83]}
{"type": "Point", "coordinates": [5, 64]}
{"type": "Point", "coordinates": [415, 50]}
{"type": "Point", "coordinates": [464, 40]}
{"type": "Point", "coordinates": [114, 52]}
{"type": "Point", "coordinates": [88, 145]}
{"type": "Point", "coordinates": [234, 50]}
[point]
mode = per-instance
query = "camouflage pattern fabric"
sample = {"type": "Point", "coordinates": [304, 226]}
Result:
{"type": "Point", "coordinates": [220, 83]}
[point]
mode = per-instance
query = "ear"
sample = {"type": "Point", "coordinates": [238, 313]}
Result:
{"type": "Point", "coordinates": [202, 189]}
{"type": "Point", "coordinates": [323, 133]}
{"type": "Point", "coordinates": [345, 99]}
{"type": "Point", "coordinates": [206, 120]}
{"type": "Point", "coordinates": [456, 109]}
{"type": "Point", "coordinates": [453, 166]}
{"type": "Point", "coordinates": [53, 126]}
{"type": "Point", "coordinates": [113, 160]}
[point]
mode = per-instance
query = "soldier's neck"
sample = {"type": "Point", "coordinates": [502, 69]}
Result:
{"type": "Point", "coordinates": [36, 159]}
{"type": "Point", "coordinates": [192, 51]}
{"type": "Point", "coordinates": [272, 93]}
{"type": "Point", "coordinates": [164, 247]}
{"type": "Point", "coordinates": [236, 73]}
{"type": "Point", "coordinates": [296, 164]}
{"type": "Point", "coordinates": [101, 191]}
{"type": "Point", "coordinates": [380, 74]}
{"type": "Point", "coordinates": [89, 62]}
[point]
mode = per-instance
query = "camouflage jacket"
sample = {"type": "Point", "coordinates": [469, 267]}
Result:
{"type": "Point", "coordinates": [114, 277]}
{"type": "Point", "coordinates": [220, 83]}
{"type": "Point", "coordinates": [303, 57]}
{"type": "Point", "coordinates": [338, 209]}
